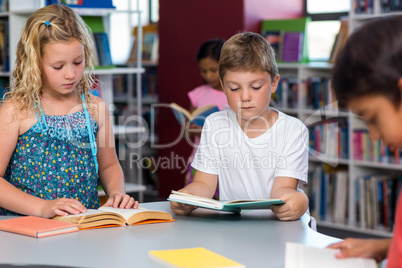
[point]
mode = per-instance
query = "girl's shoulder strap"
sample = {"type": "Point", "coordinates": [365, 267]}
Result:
{"type": "Point", "coordinates": [91, 135]}
{"type": "Point", "coordinates": [83, 98]}
{"type": "Point", "coordinates": [41, 118]}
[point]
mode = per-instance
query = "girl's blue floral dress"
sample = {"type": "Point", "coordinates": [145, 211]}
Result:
{"type": "Point", "coordinates": [53, 159]}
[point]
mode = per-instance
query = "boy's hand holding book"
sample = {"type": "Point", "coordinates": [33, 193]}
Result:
{"type": "Point", "coordinates": [296, 205]}
{"type": "Point", "coordinates": [296, 202]}
{"type": "Point", "coordinates": [182, 209]}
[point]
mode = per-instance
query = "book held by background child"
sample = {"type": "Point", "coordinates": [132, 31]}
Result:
{"type": "Point", "coordinates": [197, 117]}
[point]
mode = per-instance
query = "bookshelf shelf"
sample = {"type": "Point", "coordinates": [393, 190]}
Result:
{"type": "Point", "coordinates": [319, 65]}
{"type": "Point", "coordinates": [377, 165]}
{"type": "Point", "coordinates": [290, 111]}
{"type": "Point", "coordinates": [112, 71]}
{"type": "Point", "coordinates": [325, 113]}
{"type": "Point", "coordinates": [329, 160]}
{"type": "Point", "coordinates": [123, 130]}
{"type": "Point", "coordinates": [354, 229]}
{"type": "Point", "coordinates": [94, 11]}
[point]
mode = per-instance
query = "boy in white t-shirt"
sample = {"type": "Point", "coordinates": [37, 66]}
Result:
{"type": "Point", "coordinates": [256, 152]}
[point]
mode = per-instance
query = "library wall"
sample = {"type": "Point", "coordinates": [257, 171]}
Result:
{"type": "Point", "coordinates": [183, 26]}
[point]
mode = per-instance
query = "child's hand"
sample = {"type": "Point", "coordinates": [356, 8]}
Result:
{"type": "Point", "coordinates": [180, 208]}
{"type": "Point", "coordinates": [296, 205]}
{"type": "Point", "coordinates": [61, 207]}
{"type": "Point", "coordinates": [364, 248]}
{"type": "Point", "coordinates": [121, 201]}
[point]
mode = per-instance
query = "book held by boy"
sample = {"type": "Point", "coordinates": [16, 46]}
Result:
{"type": "Point", "coordinates": [36, 226]}
{"type": "Point", "coordinates": [197, 117]}
{"type": "Point", "coordinates": [112, 217]}
{"type": "Point", "coordinates": [193, 258]}
{"type": "Point", "coordinates": [303, 256]}
{"type": "Point", "coordinates": [230, 206]}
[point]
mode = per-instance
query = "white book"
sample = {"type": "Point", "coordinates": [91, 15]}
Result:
{"type": "Point", "coordinates": [303, 256]}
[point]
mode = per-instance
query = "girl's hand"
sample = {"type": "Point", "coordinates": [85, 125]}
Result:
{"type": "Point", "coordinates": [121, 201]}
{"type": "Point", "coordinates": [61, 207]}
{"type": "Point", "coordinates": [365, 248]}
{"type": "Point", "coordinates": [180, 208]}
{"type": "Point", "coordinates": [296, 205]}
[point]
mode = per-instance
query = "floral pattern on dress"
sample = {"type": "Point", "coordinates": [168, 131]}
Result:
{"type": "Point", "coordinates": [56, 161]}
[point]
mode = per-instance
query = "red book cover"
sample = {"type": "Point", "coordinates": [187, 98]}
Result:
{"type": "Point", "coordinates": [36, 226]}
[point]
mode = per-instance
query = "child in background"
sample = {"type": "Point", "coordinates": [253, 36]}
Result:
{"type": "Point", "coordinates": [48, 124]}
{"type": "Point", "coordinates": [255, 151]}
{"type": "Point", "coordinates": [210, 92]}
{"type": "Point", "coordinates": [367, 78]}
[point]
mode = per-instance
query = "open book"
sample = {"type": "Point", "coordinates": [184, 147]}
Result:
{"type": "Point", "coordinates": [231, 206]}
{"type": "Point", "coordinates": [111, 217]}
{"type": "Point", "coordinates": [197, 117]}
{"type": "Point", "coordinates": [302, 256]}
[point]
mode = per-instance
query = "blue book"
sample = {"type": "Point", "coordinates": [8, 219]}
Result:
{"type": "Point", "coordinates": [83, 3]}
{"type": "Point", "coordinates": [103, 49]}
{"type": "Point", "coordinates": [197, 117]}
{"type": "Point", "coordinates": [230, 206]}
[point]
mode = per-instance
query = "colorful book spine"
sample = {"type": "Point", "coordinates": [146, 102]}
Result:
{"type": "Point", "coordinates": [326, 184]}
{"type": "Point", "coordinates": [319, 94]}
{"type": "Point", "coordinates": [365, 149]}
{"type": "Point", "coordinates": [286, 95]}
{"type": "Point", "coordinates": [322, 137]}
{"type": "Point", "coordinates": [376, 197]}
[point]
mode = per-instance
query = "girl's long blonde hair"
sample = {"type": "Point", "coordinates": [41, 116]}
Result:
{"type": "Point", "coordinates": [64, 25]}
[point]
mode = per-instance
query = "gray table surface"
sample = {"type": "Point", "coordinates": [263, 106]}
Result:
{"type": "Point", "coordinates": [253, 238]}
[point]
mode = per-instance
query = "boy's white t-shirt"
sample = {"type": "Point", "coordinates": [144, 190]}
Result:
{"type": "Point", "coordinates": [247, 167]}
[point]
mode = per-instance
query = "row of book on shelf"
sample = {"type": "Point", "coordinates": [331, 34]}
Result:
{"type": "Point", "coordinates": [375, 197]}
{"type": "Point", "coordinates": [288, 46]}
{"type": "Point", "coordinates": [149, 81]}
{"type": "Point", "coordinates": [375, 200]}
{"type": "Point", "coordinates": [367, 6]}
{"type": "Point", "coordinates": [326, 184]}
{"type": "Point", "coordinates": [366, 149]}
{"type": "Point", "coordinates": [330, 139]}
{"type": "Point", "coordinates": [286, 96]}
{"type": "Point", "coordinates": [287, 38]}
{"type": "Point", "coordinates": [316, 91]}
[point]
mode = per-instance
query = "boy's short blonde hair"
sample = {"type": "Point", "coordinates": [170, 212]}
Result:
{"type": "Point", "coordinates": [247, 51]}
